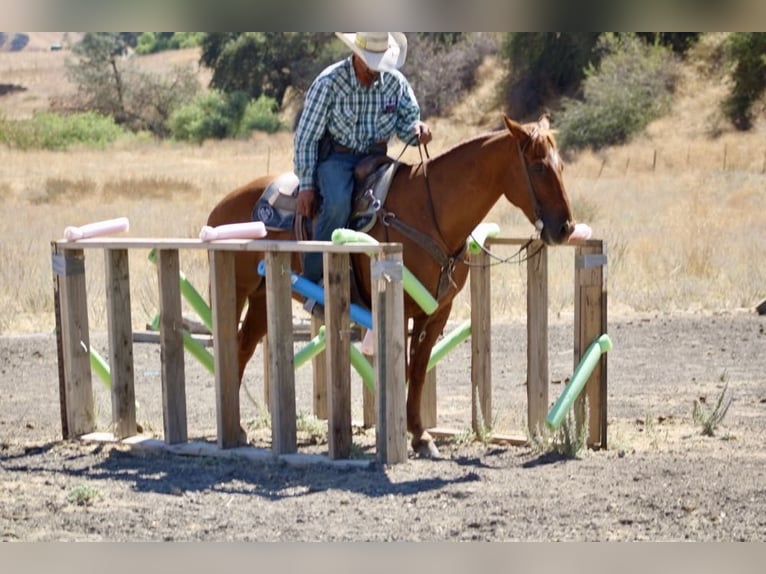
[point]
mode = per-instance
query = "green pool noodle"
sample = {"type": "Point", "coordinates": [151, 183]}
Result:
{"type": "Point", "coordinates": [196, 301]}
{"type": "Point", "coordinates": [580, 376]}
{"type": "Point", "coordinates": [447, 343]}
{"type": "Point", "coordinates": [412, 285]}
{"type": "Point", "coordinates": [479, 236]}
{"type": "Point", "coordinates": [101, 368]}
{"type": "Point", "coordinates": [312, 348]}
{"type": "Point", "coordinates": [198, 351]}
{"type": "Point", "coordinates": [192, 296]}
{"type": "Point", "coordinates": [363, 367]}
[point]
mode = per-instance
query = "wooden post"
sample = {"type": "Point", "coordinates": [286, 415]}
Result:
{"type": "Point", "coordinates": [388, 328]}
{"type": "Point", "coordinates": [590, 323]}
{"type": "Point", "coordinates": [481, 343]}
{"type": "Point", "coordinates": [537, 336]}
{"type": "Point", "coordinates": [69, 265]}
{"type": "Point", "coordinates": [57, 259]}
{"type": "Point", "coordinates": [338, 367]}
{"type": "Point", "coordinates": [281, 356]}
{"type": "Point", "coordinates": [223, 294]}
{"type": "Point", "coordinates": [120, 342]}
{"type": "Point", "coordinates": [319, 374]}
{"type": "Point", "coordinates": [171, 348]}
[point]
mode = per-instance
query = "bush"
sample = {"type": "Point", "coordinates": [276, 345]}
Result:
{"type": "Point", "coordinates": [217, 115]}
{"type": "Point", "coordinates": [747, 51]}
{"type": "Point", "coordinates": [631, 87]}
{"type": "Point", "coordinates": [260, 115]}
{"type": "Point", "coordinates": [434, 59]}
{"type": "Point", "coordinates": [59, 132]}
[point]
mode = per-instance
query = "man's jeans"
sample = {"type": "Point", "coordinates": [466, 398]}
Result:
{"type": "Point", "coordinates": [336, 184]}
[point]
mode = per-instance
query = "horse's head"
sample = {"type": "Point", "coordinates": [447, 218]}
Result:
{"type": "Point", "coordinates": [545, 202]}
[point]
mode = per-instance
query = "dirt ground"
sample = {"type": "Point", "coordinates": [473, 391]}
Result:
{"type": "Point", "coordinates": [660, 478]}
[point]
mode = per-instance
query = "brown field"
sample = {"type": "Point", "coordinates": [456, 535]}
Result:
{"type": "Point", "coordinates": [680, 208]}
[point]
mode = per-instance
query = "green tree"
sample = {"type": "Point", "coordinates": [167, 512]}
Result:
{"type": "Point", "coordinates": [747, 51]}
{"type": "Point", "coordinates": [544, 66]}
{"type": "Point", "coordinates": [631, 86]}
{"type": "Point", "coordinates": [112, 84]}
{"type": "Point", "coordinates": [265, 63]}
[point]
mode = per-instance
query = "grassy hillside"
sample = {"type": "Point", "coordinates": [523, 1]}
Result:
{"type": "Point", "coordinates": [681, 208]}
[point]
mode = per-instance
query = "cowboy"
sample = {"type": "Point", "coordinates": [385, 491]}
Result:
{"type": "Point", "coordinates": [352, 109]}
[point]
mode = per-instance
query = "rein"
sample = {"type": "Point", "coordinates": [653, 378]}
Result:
{"type": "Point", "coordinates": [434, 248]}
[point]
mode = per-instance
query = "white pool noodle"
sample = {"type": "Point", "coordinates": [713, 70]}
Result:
{"type": "Point", "coordinates": [106, 227]}
{"type": "Point", "coordinates": [582, 231]}
{"type": "Point", "coordinates": [247, 230]}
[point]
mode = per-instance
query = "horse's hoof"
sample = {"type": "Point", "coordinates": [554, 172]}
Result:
{"type": "Point", "coordinates": [427, 449]}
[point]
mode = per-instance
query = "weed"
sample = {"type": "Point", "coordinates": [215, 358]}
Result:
{"type": "Point", "coordinates": [315, 429]}
{"type": "Point", "coordinates": [567, 440]}
{"type": "Point", "coordinates": [83, 495]}
{"type": "Point", "coordinates": [709, 419]}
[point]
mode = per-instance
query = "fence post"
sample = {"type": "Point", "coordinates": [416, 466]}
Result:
{"type": "Point", "coordinates": [481, 343]}
{"type": "Point", "coordinates": [387, 271]}
{"type": "Point", "coordinates": [69, 265]}
{"type": "Point", "coordinates": [537, 336]}
{"type": "Point", "coordinates": [172, 348]}
{"type": "Point", "coordinates": [120, 342]}
{"type": "Point", "coordinates": [590, 323]}
{"type": "Point", "coordinates": [281, 356]}
{"type": "Point", "coordinates": [337, 351]}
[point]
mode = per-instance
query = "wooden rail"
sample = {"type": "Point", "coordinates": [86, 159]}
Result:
{"type": "Point", "coordinates": [75, 379]}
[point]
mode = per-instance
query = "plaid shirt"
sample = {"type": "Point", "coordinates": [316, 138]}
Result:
{"type": "Point", "coordinates": [355, 116]}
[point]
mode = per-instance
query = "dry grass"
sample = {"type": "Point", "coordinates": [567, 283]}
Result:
{"type": "Point", "coordinates": [684, 230]}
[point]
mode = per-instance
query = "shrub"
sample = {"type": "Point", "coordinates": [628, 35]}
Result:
{"type": "Point", "coordinates": [52, 131]}
{"type": "Point", "coordinates": [217, 115]}
{"type": "Point", "coordinates": [747, 51]}
{"type": "Point", "coordinates": [435, 59]}
{"type": "Point", "coordinates": [260, 115]}
{"type": "Point", "coordinates": [631, 87]}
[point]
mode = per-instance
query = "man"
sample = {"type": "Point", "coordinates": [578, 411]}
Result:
{"type": "Point", "coordinates": [356, 105]}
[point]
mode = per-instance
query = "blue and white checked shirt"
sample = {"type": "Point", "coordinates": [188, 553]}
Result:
{"type": "Point", "coordinates": [356, 117]}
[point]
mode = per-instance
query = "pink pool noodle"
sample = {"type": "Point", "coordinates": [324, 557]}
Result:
{"type": "Point", "coordinates": [97, 228]}
{"type": "Point", "coordinates": [247, 230]}
{"type": "Point", "coordinates": [582, 231]}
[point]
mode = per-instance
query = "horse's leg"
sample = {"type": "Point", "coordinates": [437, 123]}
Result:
{"type": "Point", "coordinates": [425, 332]}
{"type": "Point", "coordinates": [250, 333]}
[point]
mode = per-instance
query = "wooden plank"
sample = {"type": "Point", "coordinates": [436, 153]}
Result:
{"type": "Point", "coordinates": [338, 366]}
{"type": "Point", "coordinates": [481, 343]}
{"type": "Point", "coordinates": [236, 245]}
{"type": "Point", "coordinates": [389, 360]}
{"type": "Point", "coordinates": [590, 323]}
{"type": "Point", "coordinates": [281, 357]}
{"type": "Point", "coordinates": [225, 321]}
{"type": "Point", "coordinates": [56, 256]}
{"type": "Point", "coordinates": [319, 375]}
{"type": "Point", "coordinates": [120, 330]}
{"type": "Point", "coordinates": [172, 367]}
{"type": "Point", "coordinates": [78, 389]}
{"type": "Point", "coordinates": [537, 337]}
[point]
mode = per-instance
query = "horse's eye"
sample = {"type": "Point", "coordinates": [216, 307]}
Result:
{"type": "Point", "coordinates": [537, 167]}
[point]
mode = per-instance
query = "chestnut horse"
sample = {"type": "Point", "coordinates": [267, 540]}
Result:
{"type": "Point", "coordinates": [431, 209]}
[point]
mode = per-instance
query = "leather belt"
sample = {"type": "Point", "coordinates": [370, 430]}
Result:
{"type": "Point", "coordinates": [376, 148]}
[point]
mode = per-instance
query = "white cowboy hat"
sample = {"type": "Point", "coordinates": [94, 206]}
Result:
{"type": "Point", "coordinates": [380, 51]}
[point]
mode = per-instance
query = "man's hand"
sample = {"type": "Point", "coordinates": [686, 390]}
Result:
{"type": "Point", "coordinates": [423, 132]}
{"type": "Point", "coordinates": [307, 203]}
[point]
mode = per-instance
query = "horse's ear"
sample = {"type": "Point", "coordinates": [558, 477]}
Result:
{"type": "Point", "coordinates": [516, 129]}
{"type": "Point", "coordinates": [545, 122]}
